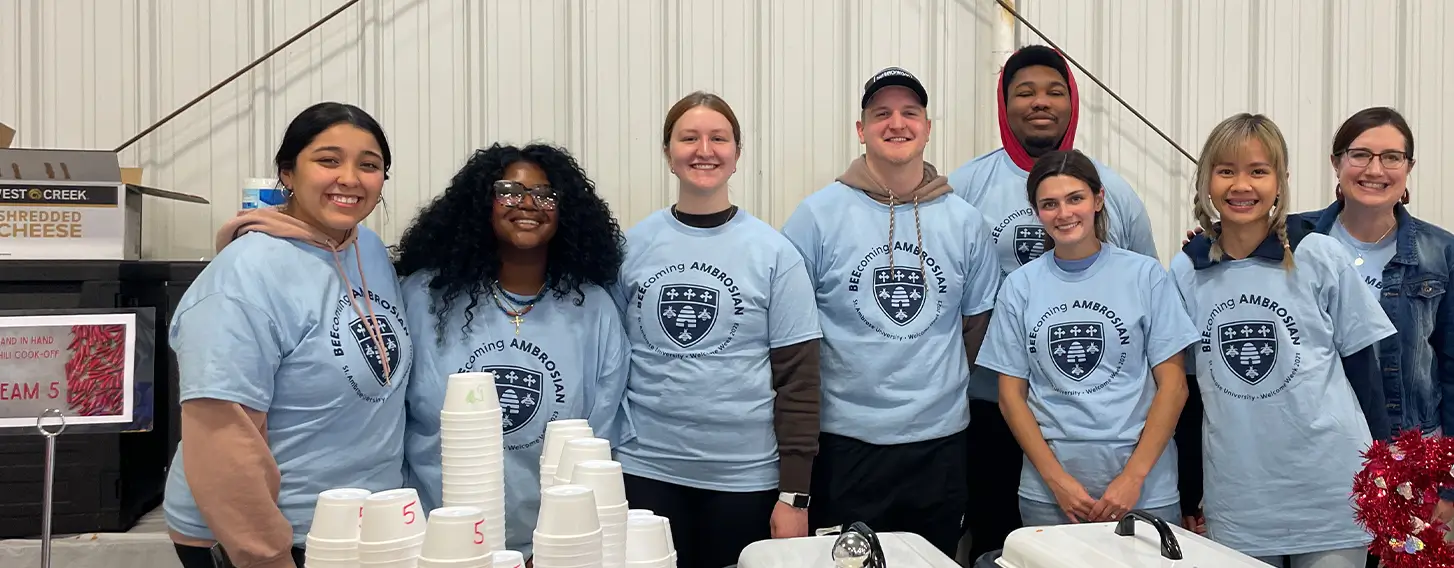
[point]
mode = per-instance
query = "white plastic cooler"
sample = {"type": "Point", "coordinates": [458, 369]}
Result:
{"type": "Point", "coordinates": [1098, 545]}
{"type": "Point", "coordinates": [901, 550]}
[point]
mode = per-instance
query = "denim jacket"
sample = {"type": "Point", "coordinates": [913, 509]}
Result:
{"type": "Point", "coordinates": [1418, 362]}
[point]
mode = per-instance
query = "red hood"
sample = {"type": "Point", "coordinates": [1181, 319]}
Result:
{"type": "Point", "coordinates": [1007, 138]}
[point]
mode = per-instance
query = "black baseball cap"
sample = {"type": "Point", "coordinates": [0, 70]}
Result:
{"type": "Point", "coordinates": [894, 77]}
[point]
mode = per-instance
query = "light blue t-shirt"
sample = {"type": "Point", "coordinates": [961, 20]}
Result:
{"type": "Point", "coordinates": [568, 362]}
{"type": "Point", "coordinates": [703, 307]}
{"type": "Point", "coordinates": [269, 325]}
{"type": "Point", "coordinates": [1282, 429]}
{"type": "Point", "coordinates": [994, 185]}
{"type": "Point", "coordinates": [894, 369]}
{"type": "Point", "coordinates": [1375, 256]}
{"type": "Point", "coordinates": [1086, 341]}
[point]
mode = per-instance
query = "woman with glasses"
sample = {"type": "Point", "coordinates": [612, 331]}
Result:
{"type": "Point", "coordinates": [506, 272]}
{"type": "Point", "coordinates": [1405, 261]}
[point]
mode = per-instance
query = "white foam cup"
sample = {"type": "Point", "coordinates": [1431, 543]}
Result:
{"type": "Point", "coordinates": [471, 392]}
{"type": "Point", "coordinates": [470, 417]}
{"type": "Point", "coordinates": [336, 515]}
{"type": "Point", "coordinates": [567, 510]}
{"type": "Point", "coordinates": [577, 451]}
{"type": "Point", "coordinates": [555, 441]}
{"type": "Point", "coordinates": [604, 478]}
{"type": "Point", "coordinates": [509, 559]}
{"type": "Point", "coordinates": [455, 533]}
{"type": "Point", "coordinates": [485, 561]}
{"type": "Point", "coordinates": [640, 513]}
{"type": "Point", "coordinates": [392, 515]}
{"type": "Point", "coordinates": [554, 425]}
{"type": "Point", "coordinates": [646, 539]}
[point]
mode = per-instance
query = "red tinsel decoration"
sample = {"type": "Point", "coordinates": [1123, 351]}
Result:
{"type": "Point", "coordinates": [1394, 498]}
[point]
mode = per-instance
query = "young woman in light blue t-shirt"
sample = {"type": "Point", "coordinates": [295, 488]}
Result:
{"type": "Point", "coordinates": [506, 272]}
{"type": "Point", "coordinates": [724, 355]}
{"type": "Point", "coordinates": [1284, 368]}
{"type": "Point", "coordinates": [294, 354]}
{"type": "Point", "coordinates": [1088, 342]}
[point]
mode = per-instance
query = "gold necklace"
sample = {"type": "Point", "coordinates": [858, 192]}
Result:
{"type": "Point", "coordinates": [1359, 261]}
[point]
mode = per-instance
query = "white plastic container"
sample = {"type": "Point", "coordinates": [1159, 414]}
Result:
{"type": "Point", "coordinates": [260, 192]}
{"type": "Point", "coordinates": [901, 550]}
{"type": "Point", "coordinates": [1097, 545]}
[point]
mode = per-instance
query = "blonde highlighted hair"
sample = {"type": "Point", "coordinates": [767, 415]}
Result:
{"type": "Point", "coordinates": [1226, 141]}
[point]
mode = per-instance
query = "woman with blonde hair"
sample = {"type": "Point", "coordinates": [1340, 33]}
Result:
{"type": "Point", "coordinates": [1285, 370]}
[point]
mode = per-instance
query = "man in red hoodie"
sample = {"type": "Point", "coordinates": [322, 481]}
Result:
{"type": "Point", "coordinates": [1039, 106]}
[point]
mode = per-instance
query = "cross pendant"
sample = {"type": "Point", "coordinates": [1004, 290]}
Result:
{"type": "Point", "coordinates": [517, 322]}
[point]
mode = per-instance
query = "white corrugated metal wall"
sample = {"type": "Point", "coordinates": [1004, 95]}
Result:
{"type": "Point", "coordinates": [447, 76]}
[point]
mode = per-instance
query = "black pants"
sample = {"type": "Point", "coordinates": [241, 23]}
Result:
{"type": "Point", "coordinates": [917, 487]}
{"type": "Point", "coordinates": [198, 557]}
{"type": "Point", "coordinates": [709, 528]}
{"type": "Point", "coordinates": [994, 478]}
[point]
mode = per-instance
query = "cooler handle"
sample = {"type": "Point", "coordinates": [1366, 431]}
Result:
{"type": "Point", "coordinates": [1170, 548]}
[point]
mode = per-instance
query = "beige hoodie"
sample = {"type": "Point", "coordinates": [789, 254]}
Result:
{"type": "Point", "coordinates": [230, 467]}
{"type": "Point", "coordinates": [932, 186]}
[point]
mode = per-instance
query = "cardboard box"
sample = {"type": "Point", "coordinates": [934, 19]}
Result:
{"type": "Point", "coordinates": [72, 205]}
{"type": "Point", "coordinates": [7, 135]}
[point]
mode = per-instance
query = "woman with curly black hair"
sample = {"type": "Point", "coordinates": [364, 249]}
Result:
{"type": "Point", "coordinates": [506, 272]}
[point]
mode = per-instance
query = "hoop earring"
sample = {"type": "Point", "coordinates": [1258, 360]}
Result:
{"type": "Point", "coordinates": [288, 192]}
{"type": "Point", "coordinates": [1405, 199]}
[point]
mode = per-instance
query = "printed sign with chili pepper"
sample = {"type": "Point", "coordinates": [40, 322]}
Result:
{"type": "Point", "coordinates": [80, 365]}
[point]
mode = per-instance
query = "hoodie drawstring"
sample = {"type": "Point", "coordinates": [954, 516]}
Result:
{"type": "Point", "coordinates": [918, 234]}
{"type": "Point", "coordinates": [370, 321]}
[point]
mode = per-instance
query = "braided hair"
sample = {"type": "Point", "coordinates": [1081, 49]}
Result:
{"type": "Point", "coordinates": [1226, 140]}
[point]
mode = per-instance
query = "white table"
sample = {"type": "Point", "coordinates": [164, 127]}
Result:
{"type": "Point", "coordinates": [145, 546]}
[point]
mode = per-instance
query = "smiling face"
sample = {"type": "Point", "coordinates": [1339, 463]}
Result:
{"type": "Point", "coordinates": [525, 213]}
{"type": "Point", "coordinates": [1382, 180]}
{"type": "Point", "coordinates": [895, 127]}
{"type": "Point", "coordinates": [1037, 107]}
{"type": "Point", "coordinates": [1067, 208]}
{"type": "Point", "coordinates": [337, 181]}
{"type": "Point", "coordinates": [703, 151]}
{"type": "Point", "coordinates": [1244, 184]}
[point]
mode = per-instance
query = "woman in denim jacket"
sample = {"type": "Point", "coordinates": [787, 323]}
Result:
{"type": "Point", "coordinates": [1407, 263]}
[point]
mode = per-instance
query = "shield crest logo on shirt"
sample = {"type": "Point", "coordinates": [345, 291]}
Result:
{"type": "Point", "coordinates": [1076, 348]}
{"type": "Point", "coordinates": [899, 292]}
{"type": "Point", "coordinates": [519, 390]}
{"type": "Point", "coordinates": [1029, 242]}
{"type": "Point", "coordinates": [687, 312]}
{"type": "Point", "coordinates": [1249, 348]}
{"type": "Point", "coordinates": [372, 355]}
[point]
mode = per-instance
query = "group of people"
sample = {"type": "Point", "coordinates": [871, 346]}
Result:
{"type": "Point", "coordinates": [992, 349]}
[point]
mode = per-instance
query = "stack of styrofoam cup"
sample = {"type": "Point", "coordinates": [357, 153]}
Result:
{"type": "Point", "coordinates": [557, 433]}
{"type": "Point", "coordinates": [472, 448]}
{"type": "Point", "coordinates": [648, 543]}
{"type": "Point", "coordinates": [577, 451]}
{"type": "Point", "coordinates": [604, 479]}
{"type": "Point", "coordinates": [333, 538]}
{"type": "Point", "coordinates": [509, 559]}
{"type": "Point", "coordinates": [567, 533]}
{"type": "Point", "coordinates": [640, 513]}
{"type": "Point", "coordinates": [392, 530]}
{"type": "Point", "coordinates": [455, 538]}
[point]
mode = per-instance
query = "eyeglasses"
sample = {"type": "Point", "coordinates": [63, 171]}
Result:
{"type": "Point", "coordinates": [1390, 160]}
{"type": "Point", "coordinates": [512, 194]}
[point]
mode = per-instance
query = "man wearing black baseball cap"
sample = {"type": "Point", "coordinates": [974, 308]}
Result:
{"type": "Point", "coordinates": [1039, 106]}
{"type": "Point", "coordinates": [905, 278]}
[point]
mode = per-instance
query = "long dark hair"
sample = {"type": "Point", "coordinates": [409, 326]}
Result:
{"type": "Point", "coordinates": [454, 238]}
{"type": "Point", "coordinates": [1074, 164]}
